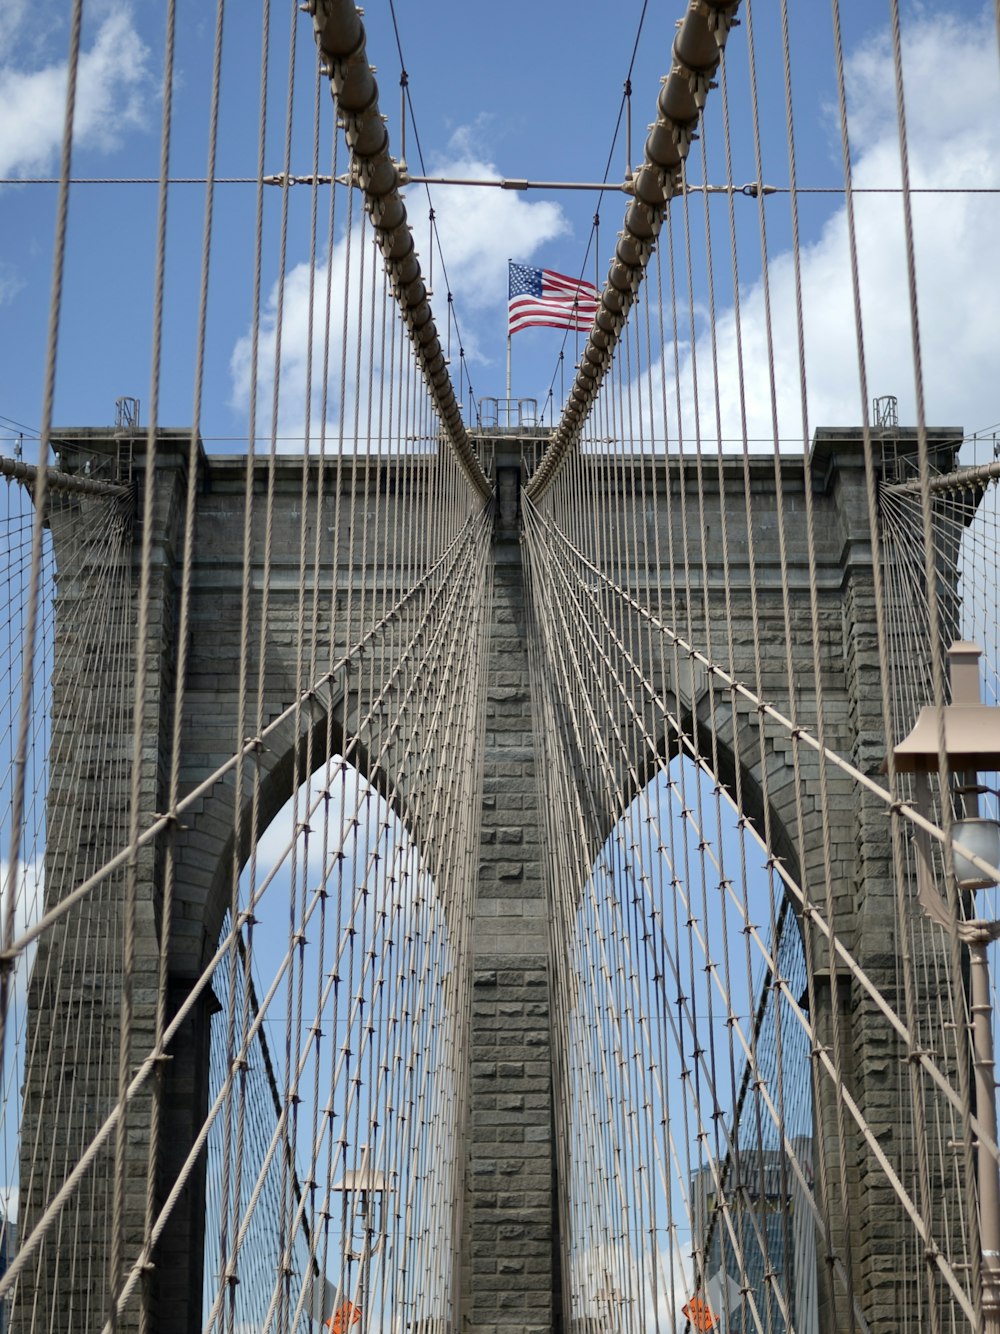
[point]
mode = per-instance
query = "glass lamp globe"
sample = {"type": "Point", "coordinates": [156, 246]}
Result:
{"type": "Point", "coordinates": [981, 836]}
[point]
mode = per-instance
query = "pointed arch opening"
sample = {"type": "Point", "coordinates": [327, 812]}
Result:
{"type": "Point", "coordinates": [334, 1070]}
{"type": "Point", "coordinates": [685, 1063]}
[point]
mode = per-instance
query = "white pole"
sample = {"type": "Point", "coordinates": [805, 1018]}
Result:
{"type": "Point", "coordinates": [508, 336]}
{"type": "Point", "coordinates": [981, 1010]}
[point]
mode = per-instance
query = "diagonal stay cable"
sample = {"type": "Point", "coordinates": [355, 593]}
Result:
{"type": "Point", "coordinates": [808, 910]}
{"type": "Point", "coordinates": [445, 563]}
{"type": "Point", "coordinates": [141, 1073]}
{"type": "Point", "coordinates": [902, 808]}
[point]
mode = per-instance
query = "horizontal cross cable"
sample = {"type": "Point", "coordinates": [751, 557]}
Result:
{"type": "Point", "coordinates": [750, 189]}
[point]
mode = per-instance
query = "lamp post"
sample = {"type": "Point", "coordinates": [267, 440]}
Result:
{"type": "Point", "coordinates": [972, 745]}
{"type": "Point", "coordinates": [368, 1187]}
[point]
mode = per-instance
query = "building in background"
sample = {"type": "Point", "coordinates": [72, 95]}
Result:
{"type": "Point", "coordinates": [766, 1246]}
{"type": "Point", "coordinates": [8, 1249]}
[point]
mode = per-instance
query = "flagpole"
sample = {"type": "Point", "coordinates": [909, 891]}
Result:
{"type": "Point", "coordinates": [508, 333]}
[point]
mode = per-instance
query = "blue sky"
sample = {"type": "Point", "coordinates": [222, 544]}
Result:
{"type": "Point", "coordinates": [519, 91]}
{"type": "Point", "coordinates": [530, 91]}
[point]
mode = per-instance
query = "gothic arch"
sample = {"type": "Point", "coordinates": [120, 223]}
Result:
{"type": "Point", "coordinates": [297, 747]}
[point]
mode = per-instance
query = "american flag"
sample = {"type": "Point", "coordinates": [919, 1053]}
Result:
{"type": "Point", "coordinates": [540, 296]}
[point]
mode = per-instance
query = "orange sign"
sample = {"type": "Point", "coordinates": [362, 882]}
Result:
{"type": "Point", "coordinates": [344, 1317]}
{"type": "Point", "coordinates": [699, 1313]}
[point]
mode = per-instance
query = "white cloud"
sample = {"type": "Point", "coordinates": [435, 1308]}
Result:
{"type": "Point", "coordinates": [300, 350]}
{"type": "Point", "coordinates": [12, 16]}
{"type": "Point", "coordinates": [609, 1280]}
{"type": "Point", "coordinates": [29, 900]}
{"type": "Point", "coordinates": [11, 282]}
{"type": "Point", "coordinates": [343, 833]}
{"type": "Point", "coordinates": [28, 887]}
{"type": "Point", "coordinates": [112, 95]}
{"type": "Point", "coordinates": [479, 230]}
{"type": "Point", "coordinates": [348, 793]}
{"type": "Point", "coordinates": [954, 140]}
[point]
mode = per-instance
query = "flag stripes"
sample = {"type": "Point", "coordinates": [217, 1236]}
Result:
{"type": "Point", "coordinates": [544, 297]}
